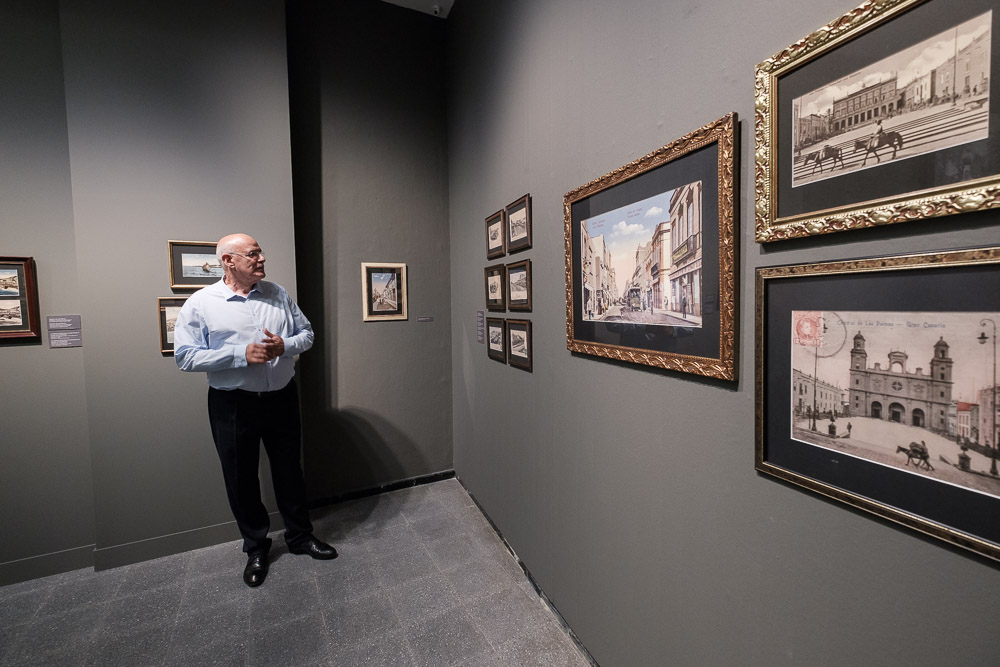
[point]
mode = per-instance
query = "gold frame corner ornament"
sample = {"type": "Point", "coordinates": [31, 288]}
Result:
{"type": "Point", "coordinates": [723, 132]}
{"type": "Point", "coordinates": [965, 197]}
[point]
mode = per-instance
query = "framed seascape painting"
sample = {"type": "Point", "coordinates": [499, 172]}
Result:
{"type": "Point", "coordinates": [167, 310]}
{"type": "Point", "coordinates": [19, 319]}
{"type": "Point", "coordinates": [495, 281]}
{"type": "Point", "coordinates": [518, 215]}
{"type": "Point", "coordinates": [496, 345]}
{"type": "Point", "coordinates": [879, 117]}
{"type": "Point", "coordinates": [383, 291]}
{"type": "Point", "coordinates": [877, 387]}
{"type": "Point", "coordinates": [496, 238]}
{"type": "Point", "coordinates": [193, 264]}
{"type": "Point", "coordinates": [519, 285]}
{"type": "Point", "coordinates": [519, 345]}
{"type": "Point", "coordinates": [651, 257]}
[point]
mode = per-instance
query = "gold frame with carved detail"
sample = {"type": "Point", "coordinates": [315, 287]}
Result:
{"type": "Point", "coordinates": [941, 200]}
{"type": "Point", "coordinates": [959, 280]}
{"type": "Point", "coordinates": [720, 338]}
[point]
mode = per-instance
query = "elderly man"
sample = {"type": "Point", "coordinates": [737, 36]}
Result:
{"type": "Point", "coordinates": [244, 332]}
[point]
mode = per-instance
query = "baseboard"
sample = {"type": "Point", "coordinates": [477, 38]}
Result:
{"type": "Point", "coordinates": [167, 545]}
{"type": "Point", "coordinates": [44, 565]}
{"type": "Point", "coordinates": [382, 488]}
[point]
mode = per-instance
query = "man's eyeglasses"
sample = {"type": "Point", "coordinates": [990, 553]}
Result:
{"type": "Point", "coordinates": [253, 254]}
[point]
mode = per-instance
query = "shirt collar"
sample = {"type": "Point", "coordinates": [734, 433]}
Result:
{"type": "Point", "coordinates": [229, 294]}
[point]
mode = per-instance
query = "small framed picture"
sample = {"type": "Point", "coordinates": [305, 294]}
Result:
{"type": "Point", "coordinates": [193, 264]}
{"type": "Point", "coordinates": [496, 293]}
{"type": "Point", "coordinates": [496, 240]}
{"type": "Point", "coordinates": [519, 344]}
{"type": "Point", "coordinates": [518, 215]}
{"type": "Point", "coordinates": [168, 307]}
{"type": "Point", "coordinates": [18, 300]}
{"type": "Point", "coordinates": [383, 291]}
{"type": "Point", "coordinates": [496, 345]}
{"type": "Point", "coordinates": [519, 285]}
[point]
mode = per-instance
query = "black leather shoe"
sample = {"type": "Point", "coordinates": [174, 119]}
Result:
{"type": "Point", "coordinates": [315, 548]}
{"type": "Point", "coordinates": [256, 570]}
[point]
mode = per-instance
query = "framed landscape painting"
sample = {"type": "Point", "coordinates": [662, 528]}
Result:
{"type": "Point", "coordinates": [880, 117]}
{"type": "Point", "coordinates": [19, 319]}
{"type": "Point", "coordinates": [877, 387]}
{"type": "Point", "coordinates": [651, 257]}
{"type": "Point", "coordinates": [193, 264]}
{"type": "Point", "coordinates": [383, 291]}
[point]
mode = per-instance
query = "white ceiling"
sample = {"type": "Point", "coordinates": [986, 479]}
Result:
{"type": "Point", "coordinates": [433, 7]}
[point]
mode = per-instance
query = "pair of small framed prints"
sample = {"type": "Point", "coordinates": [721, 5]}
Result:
{"type": "Point", "coordinates": [192, 265]}
{"type": "Point", "coordinates": [508, 287]}
{"type": "Point", "coordinates": [509, 341]}
{"type": "Point", "coordinates": [509, 229]}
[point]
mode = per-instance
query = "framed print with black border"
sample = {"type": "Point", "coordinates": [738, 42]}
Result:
{"type": "Point", "coordinates": [519, 346]}
{"type": "Point", "coordinates": [496, 235]}
{"type": "Point", "coordinates": [193, 264]}
{"type": "Point", "coordinates": [495, 281]}
{"type": "Point", "coordinates": [519, 285]}
{"type": "Point", "coordinates": [518, 215]}
{"type": "Point", "coordinates": [19, 318]}
{"type": "Point", "coordinates": [383, 291]}
{"type": "Point", "coordinates": [496, 339]}
{"type": "Point", "coordinates": [881, 116]}
{"type": "Point", "coordinates": [167, 310]}
{"type": "Point", "coordinates": [651, 257]}
{"type": "Point", "coordinates": [876, 386]}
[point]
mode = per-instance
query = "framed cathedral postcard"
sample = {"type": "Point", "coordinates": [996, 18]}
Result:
{"type": "Point", "coordinates": [651, 257]}
{"type": "Point", "coordinates": [19, 319]}
{"type": "Point", "coordinates": [877, 385]}
{"type": "Point", "coordinates": [881, 116]}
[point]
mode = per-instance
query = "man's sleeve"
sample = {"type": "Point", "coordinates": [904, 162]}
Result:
{"type": "Point", "coordinates": [192, 350]}
{"type": "Point", "coordinates": [302, 331]}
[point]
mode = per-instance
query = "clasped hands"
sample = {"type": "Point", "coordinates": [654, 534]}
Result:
{"type": "Point", "coordinates": [271, 347]}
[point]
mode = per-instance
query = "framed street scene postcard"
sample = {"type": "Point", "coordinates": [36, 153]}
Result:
{"type": "Point", "coordinates": [519, 344]}
{"type": "Point", "coordinates": [651, 260]}
{"type": "Point", "coordinates": [880, 117]}
{"type": "Point", "coordinates": [877, 387]}
{"type": "Point", "coordinates": [383, 291]}
{"type": "Point", "coordinates": [496, 345]}
{"type": "Point", "coordinates": [19, 319]}
{"type": "Point", "coordinates": [496, 239]}
{"type": "Point", "coordinates": [168, 308]}
{"type": "Point", "coordinates": [193, 264]}
{"type": "Point", "coordinates": [518, 214]}
{"type": "Point", "coordinates": [495, 279]}
{"type": "Point", "coordinates": [519, 285]}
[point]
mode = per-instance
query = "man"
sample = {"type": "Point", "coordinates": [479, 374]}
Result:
{"type": "Point", "coordinates": [244, 333]}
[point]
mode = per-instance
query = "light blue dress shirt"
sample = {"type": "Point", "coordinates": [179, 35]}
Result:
{"type": "Point", "coordinates": [215, 326]}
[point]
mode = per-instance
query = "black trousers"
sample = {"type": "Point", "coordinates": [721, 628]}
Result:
{"type": "Point", "coordinates": [240, 421]}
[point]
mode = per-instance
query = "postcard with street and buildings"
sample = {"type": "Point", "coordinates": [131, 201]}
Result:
{"type": "Point", "coordinates": [915, 391]}
{"type": "Point", "coordinates": [9, 285]}
{"type": "Point", "coordinates": [641, 263]}
{"type": "Point", "coordinates": [927, 97]}
{"type": "Point", "coordinates": [383, 291]}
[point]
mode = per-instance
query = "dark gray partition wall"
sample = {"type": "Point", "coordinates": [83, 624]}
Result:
{"type": "Point", "coordinates": [368, 117]}
{"type": "Point", "coordinates": [45, 477]}
{"type": "Point", "coordinates": [630, 494]}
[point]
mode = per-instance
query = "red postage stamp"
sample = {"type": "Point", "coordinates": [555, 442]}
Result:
{"type": "Point", "coordinates": [807, 327]}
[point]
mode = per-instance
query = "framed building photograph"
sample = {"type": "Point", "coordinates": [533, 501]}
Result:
{"type": "Point", "coordinates": [19, 318]}
{"type": "Point", "coordinates": [518, 215]}
{"type": "Point", "coordinates": [193, 264]}
{"type": "Point", "coordinates": [651, 259]}
{"type": "Point", "coordinates": [879, 117]}
{"type": "Point", "coordinates": [167, 310]}
{"type": "Point", "coordinates": [519, 344]}
{"type": "Point", "coordinates": [519, 285]}
{"type": "Point", "coordinates": [877, 385]}
{"type": "Point", "coordinates": [383, 291]}
{"type": "Point", "coordinates": [496, 339]}
{"type": "Point", "coordinates": [495, 279]}
{"type": "Point", "coordinates": [496, 237]}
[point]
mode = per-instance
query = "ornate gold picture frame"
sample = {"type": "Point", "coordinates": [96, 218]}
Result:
{"type": "Point", "coordinates": [651, 257]}
{"type": "Point", "coordinates": [876, 386]}
{"type": "Point", "coordinates": [845, 139]}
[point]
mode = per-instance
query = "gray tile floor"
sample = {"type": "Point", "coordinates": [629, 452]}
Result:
{"type": "Point", "coordinates": [422, 579]}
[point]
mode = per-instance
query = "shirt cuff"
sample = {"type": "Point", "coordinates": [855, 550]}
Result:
{"type": "Point", "coordinates": [240, 356]}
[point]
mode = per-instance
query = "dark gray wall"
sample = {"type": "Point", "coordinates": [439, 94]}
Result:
{"type": "Point", "coordinates": [45, 475]}
{"type": "Point", "coordinates": [630, 494]}
{"type": "Point", "coordinates": [369, 139]}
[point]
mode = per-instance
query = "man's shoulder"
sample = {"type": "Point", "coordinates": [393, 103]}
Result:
{"type": "Point", "coordinates": [268, 288]}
